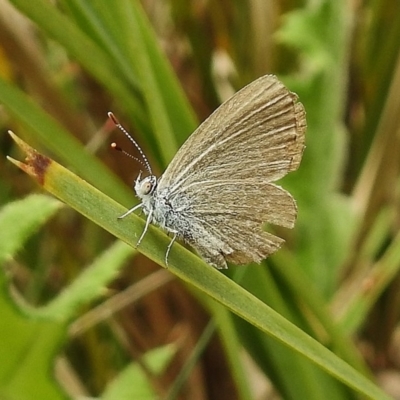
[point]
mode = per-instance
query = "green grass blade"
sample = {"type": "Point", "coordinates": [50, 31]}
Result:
{"type": "Point", "coordinates": [290, 372]}
{"type": "Point", "coordinates": [102, 210]}
{"type": "Point", "coordinates": [379, 277]}
{"type": "Point", "coordinates": [98, 21]}
{"type": "Point", "coordinates": [233, 348]}
{"type": "Point", "coordinates": [88, 53]}
{"type": "Point", "coordinates": [67, 148]}
{"type": "Point", "coordinates": [181, 114]}
{"type": "Point", "coordinates": [133, 382]}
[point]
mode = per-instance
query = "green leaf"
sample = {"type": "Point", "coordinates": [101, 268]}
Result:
{"type": "Point", "coordinates": [90, 285]}
{"type": "Point", "coordinates": [27, 356]}
{"type": "Point", "coordinates": [321, 31]}
{"type": "Point", "coordinates": [32, 338]}
{"type": "Point", "coordinates": [133, 383]}
{"type": "Point", "coordinates": [28, 349]}
{"type": "Point", "coordinates": [20, 219]}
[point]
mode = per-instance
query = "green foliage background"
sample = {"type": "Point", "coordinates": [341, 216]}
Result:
{"type": "Point", "coordinates": [86, 315]}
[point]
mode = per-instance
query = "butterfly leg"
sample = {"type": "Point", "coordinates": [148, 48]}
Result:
{"type": "Point", "coordinates": [131, 211]}
{"type": "Point", "coordinates": [148, 220]}
{"type": "Point", "coordinates": [169, 249]}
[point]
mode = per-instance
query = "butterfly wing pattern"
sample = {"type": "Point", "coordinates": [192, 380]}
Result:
{"type": "Point", "coordinates": [218, 191]}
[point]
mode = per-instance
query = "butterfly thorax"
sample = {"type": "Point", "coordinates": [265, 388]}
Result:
{"type": "Point", "coordinates": [169, 212]}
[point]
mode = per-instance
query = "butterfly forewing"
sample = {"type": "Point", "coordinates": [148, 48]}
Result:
{"type": "Point", "coordinates": [259, 132]}
{"type": "Point", "coordinates": [222, 174]}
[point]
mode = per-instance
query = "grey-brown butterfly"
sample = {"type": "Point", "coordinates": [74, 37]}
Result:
{"type": "Point", "coordinates": [218, 190]}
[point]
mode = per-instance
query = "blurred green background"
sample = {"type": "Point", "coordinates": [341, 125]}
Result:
{"type": "Point", "coordinates": [84, 315]}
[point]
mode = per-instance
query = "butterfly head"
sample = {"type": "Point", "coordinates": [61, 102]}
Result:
{"type": "Point", "coordinates": [146, 186]}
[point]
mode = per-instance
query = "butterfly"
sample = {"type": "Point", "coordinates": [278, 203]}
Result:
{"type": "Point", "coordinates": [219, 189]}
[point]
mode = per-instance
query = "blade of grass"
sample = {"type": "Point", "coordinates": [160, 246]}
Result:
{"type": "Point", "coordinates": [92, 57]}
{"type": "Point", "coordinates": [375, 282]}
{"type": "Point", "coordinates": [170, 115]}
{"type": "Point", "coordinates": [183, 118]}
{"type": "Point", "coordinates": [191, 361]}
{"type": "Point", "coordinates": [125, 33]}
{"type": "Point", "coordinates": [61, 142]}
{"type": "Point", "coordinates": [102, 210]}
{"type": "Point", "coordinates": [233, 348]}
{"type": "Point", "coordinates": [159, 118]}
{"type": "Point", "coordinates": [289, 372]}
{"type": "Point", "coordinates": [96, 20]}
{"type": "Point", "coordinates": [305, 293]}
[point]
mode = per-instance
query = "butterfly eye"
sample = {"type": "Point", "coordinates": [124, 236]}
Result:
{"type": "Point", "coordinates": [147, 187]}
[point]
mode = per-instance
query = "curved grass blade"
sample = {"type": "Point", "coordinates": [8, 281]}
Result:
{"type": "Point", "coordinates": [104, 211]}
{"type": "Point", "coordinates": [61, 142]}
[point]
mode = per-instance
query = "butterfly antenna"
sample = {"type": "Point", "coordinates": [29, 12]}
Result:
{"type": "Point", "coordinates": [116, 147]}
{"type": "Point", "coordinates": [145, 162]}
